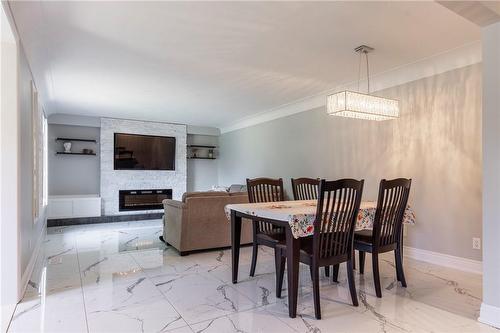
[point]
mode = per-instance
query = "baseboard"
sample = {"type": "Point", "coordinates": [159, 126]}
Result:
{"type": "Point", "coordinates": [490, 315]}
{"type": "Point", "coordinates": [463, 264]}
{"type": "Point", "coordinates": [6, 316]}
{"type": "Point", "coordinates": [31, 265]}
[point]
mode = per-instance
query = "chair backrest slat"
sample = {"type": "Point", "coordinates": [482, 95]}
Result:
{"type": "Point", "coordinates": [305, 188]}
{"type": "Point", "coordinates": [336, 214]}
{"type": "Point", "coordinates": [391, 205]}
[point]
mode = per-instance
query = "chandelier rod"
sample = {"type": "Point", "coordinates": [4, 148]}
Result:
{"type": "Point", "coordinates": [364, 49]}
{"type": "Point", "coordinates": [367, 72]}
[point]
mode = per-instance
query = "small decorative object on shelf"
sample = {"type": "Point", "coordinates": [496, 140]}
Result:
{"type": "Point", "coordinates": [67, 147]}
{"type": "Point", "coordinates": [210, 153]}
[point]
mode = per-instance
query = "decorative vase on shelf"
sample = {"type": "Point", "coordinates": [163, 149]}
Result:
{"type": "Point", "coordinates": [67, 147]}
{"type": "Point", "coordinates": [210, 153]}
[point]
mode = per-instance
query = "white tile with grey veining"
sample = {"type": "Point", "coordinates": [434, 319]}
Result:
{"type": "Point", "coordinates": [337, 311]}
{"type": "Point", "coordinates": [118, 277]}
{"type": "Point", "coordinates": [428, 284]}
{"type": "Point", "coordinates": [199, 297]}
{"type": "Point", "coordinates": [151, 314]}
{"type": "Point", "coordinates": [158, 262]}
{"type": "Point", "coordinates": [63, 311]}
{"type": "Point", "coordinates": [104, 270]}
{"type": "Point", "coordinates": [254, 320]}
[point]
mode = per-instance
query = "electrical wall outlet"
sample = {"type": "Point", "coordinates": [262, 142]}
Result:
{"type": "Point", "coordinates": [476, 243]}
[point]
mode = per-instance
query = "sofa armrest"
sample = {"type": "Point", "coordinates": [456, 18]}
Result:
{"type": "Point", "coordinates": [173, 203]}
{"type": "Point", "coordinates": [174, 222]}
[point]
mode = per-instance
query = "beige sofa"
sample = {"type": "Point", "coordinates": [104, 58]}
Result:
{"type": "Point", "coordinates": [198, 222]}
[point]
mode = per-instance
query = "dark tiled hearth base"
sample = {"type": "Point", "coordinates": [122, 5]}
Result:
{"type": "Point", "coordinates": [102, 219]}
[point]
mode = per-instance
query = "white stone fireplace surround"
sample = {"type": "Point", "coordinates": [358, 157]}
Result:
{"type": "Point", "coordinates": [114, 180]}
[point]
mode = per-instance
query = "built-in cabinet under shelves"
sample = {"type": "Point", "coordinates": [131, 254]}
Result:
{"type": "Point", "coordinates": [72, 206]}
{"type": "Point", "coordinates": [202, 152]}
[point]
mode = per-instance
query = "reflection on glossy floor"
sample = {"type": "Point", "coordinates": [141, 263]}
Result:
{"type": "Point", "coordinates": [119, 277]}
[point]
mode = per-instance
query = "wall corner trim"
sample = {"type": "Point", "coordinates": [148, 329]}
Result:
{"type": "Point", "coordinates": [441, 259]}
{"type": "Point", "coordinates": [26, 275]}
{"type": "Point", "coordinates": [459, 57]}
{"type": "Point", "coordinates": [489, 315]}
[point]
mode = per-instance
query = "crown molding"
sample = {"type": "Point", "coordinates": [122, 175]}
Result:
{"type": "Point", "coordinates": [462, 56]}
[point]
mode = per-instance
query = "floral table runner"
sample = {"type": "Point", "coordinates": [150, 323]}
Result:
{"type": "Point", "coordinates": [300, 214]}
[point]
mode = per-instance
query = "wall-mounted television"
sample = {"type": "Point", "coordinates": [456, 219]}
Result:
{"type": "Point", "coordinates": [144, 152]}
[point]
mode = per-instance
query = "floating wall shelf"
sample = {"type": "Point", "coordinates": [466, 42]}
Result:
{"type": "Point", "coordinates": [201, 152]}
{"type": "Point", "coordinates": [64, 153]}
{"type": "Point", "coordinates": [202, 146]}
{"type": "Point", "coordinates": [80, 140]}
{"type": "Point", "coordinates": [201, 158]}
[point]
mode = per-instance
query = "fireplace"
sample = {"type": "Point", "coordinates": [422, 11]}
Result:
{"type": "Point", "coordinates": [143, 199]}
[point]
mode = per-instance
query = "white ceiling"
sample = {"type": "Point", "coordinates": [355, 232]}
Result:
{"type": "Point", "coordinates": [214, 63]}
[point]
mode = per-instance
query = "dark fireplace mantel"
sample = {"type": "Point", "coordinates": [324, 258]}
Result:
{"type": "Point", "coordinates": [134, 200]}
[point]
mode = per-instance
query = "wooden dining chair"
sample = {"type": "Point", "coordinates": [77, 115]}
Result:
{"type": "Point", "coordinates": [264, 233]}
{"type": "Point", "coordinates": [387, 229]}
{"type": "Point", "coordinates": [332, 241]}
{"type": "Point", "coordinates": [305, 188]}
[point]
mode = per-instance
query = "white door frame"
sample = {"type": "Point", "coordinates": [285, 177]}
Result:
{"type": "Point", "coordinates": [9, 165]}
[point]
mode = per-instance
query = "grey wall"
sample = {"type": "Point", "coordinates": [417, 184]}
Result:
{"type": "Point", "coordinates": [73, 174]}
{"type": "Point", "coordinates": [202, 174]}
{"type": "Point", "coordinates": [490, 309]}
{"type": "Point", "coordinates": [436, 142]}
{"type": "Point", "coordinates": [29, 230]}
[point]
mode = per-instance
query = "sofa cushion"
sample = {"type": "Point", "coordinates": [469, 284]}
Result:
{"type": "Point", "coordinates": [217, 188]}
{"type": "Point", "coordinates": [203, 194]}
{"type": "Point", "coordinates": [237, 188]}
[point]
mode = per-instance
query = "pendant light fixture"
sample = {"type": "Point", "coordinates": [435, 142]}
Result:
{"type": "Point", "coordinates": [358, 105]}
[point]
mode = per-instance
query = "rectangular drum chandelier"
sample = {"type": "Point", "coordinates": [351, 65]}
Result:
{"type": "Point", "coordinates": [358, 105]}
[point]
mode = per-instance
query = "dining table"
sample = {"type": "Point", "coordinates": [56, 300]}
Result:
{"type": "Point", "coordinates": [297, 218]}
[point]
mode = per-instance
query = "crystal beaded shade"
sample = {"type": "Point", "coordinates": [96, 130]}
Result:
{"type": "Point", "coordinates": [362, 106]}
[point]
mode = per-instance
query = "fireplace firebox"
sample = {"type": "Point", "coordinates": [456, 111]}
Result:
{"type": "Point", "coordinates": [143, 199]}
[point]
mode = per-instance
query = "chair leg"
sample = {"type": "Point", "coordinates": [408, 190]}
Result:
{"type": "Point", "coordinates": [376, 275]}
{"type": "Point", "coordinates": [398, 277]}
{"type": "Point", "coordinates": [255, 251]}
{"type": "Point", "coordinates": [335, 273]}
{"type": "Point", "coordinates": [352, 285]}
{"type": "Point", "coordinates": [279, 260]}
{"type": "Point", "coordinates": [399, 267]}
{"type": "Point", "coordinates": [327, 271]}
{"type": "Point", "coordinates": [361, 262]}
{"type": "Point", "coordinates": [315, 281]}
{"type": "Point", "coordinates": [353, 257]}
{"type": "Point", "coordinates": [311, 272]}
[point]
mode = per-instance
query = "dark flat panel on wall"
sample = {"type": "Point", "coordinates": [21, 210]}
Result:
{"type": "Point", "coordinates": [103, 219]}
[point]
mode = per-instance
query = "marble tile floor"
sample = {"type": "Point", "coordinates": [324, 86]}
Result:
{"type": "Point", "coordinates": [119, 277]}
